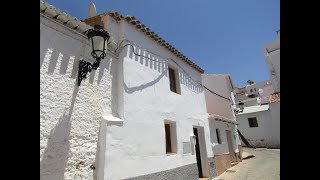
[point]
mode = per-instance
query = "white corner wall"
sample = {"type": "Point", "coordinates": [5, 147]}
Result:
{"type": "Point", "coordinates": [275, 116]}
{"type": "Point", "coordinates": [137, 147]}
{"type": "Point", "coordinates": [263, 135]}
{"type": "Point", "coordinates": [223, 147]}
{"type": "Point", "coordinates": [69, 115]}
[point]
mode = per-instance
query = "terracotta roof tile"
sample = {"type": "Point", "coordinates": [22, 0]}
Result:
{"type": "Point", "coordinates": [82, 27]}
{"type": "Point", "coordinates": [64, 18]}
{"type": "Point", "coordinates": [132, 20]}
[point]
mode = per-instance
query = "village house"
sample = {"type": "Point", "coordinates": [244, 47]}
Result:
{"type": "Point", "coordinates": [225, 142]}
{"type": "Point", "coordinates": [140, 115]}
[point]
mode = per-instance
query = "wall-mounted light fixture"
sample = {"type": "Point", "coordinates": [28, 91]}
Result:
{"type": "Point", "coordinates": [241, 106]}
{"type": "Point", "coordinates": [193, 139]}
{"type": "Point", "coordinates": [98, 38]}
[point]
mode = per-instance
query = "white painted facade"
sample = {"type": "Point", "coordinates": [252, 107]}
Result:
{"type": "Point", "coordinates": [112, 126]}
{"type": "Point", "coordinates": [223, 148]}
{"type": "Point", "coordinates": [267, 134]}
{"type": "Point", "coordinates": [221, 113]}
{"type": "Point", "coordinates": [69, 115]}
{"type": "Point", "coordinates": [138, 146]}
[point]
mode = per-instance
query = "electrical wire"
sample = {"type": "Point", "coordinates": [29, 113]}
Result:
{"type": "Point", "coordinates": [133, 50]}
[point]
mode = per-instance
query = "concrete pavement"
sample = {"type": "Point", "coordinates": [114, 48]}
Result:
{"type": "Point", "coordinates": [264, 166]}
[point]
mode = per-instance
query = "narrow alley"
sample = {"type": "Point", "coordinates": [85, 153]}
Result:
{"type": "Point", "coordinates": [265, 165]}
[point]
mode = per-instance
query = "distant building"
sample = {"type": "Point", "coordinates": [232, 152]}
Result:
{"type": "Point", "coordinates": [259, 121]}
{"type": "Point", "coordinates": [272, 53]}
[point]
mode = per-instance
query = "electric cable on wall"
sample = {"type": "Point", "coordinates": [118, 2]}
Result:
{"type": "Point", "coordinates": [133, 50]}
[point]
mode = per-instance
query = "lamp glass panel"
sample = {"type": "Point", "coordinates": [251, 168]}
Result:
{"type": "Point", "coordinates": [98, 43]}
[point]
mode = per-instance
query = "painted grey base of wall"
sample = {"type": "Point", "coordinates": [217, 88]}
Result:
{"type": "Point", "coordinates": [264, 145]}
{"type": "Point", "coordinates": [187, 172]}
{"type": "Point", "coordinates": [212, 167]}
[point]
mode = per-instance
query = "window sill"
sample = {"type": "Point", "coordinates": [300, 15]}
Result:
{"type": "Point", "coordinates": [170, 154]}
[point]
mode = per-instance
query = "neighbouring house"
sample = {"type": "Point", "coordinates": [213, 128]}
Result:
{"type": "Point", "coordinates": [132, 118]}
{"type": "Point", "coordinates": [259, 122]}
{"type": "Point", "coordinates": [271, 52]}
{"type": "Point", "coordinates": [225, 142]}
{"type": "Point", "coordinates": [249, 94]}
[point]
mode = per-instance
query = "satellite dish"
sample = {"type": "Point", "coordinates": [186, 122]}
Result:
{"type": "Point", "coordinates": [260, 91]}
{"type": "Point", "coordinates": [92, 10]}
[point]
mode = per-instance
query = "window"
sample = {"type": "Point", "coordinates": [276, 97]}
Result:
{"type": "Point", "coordinates": [251, 90]}
{"type": "Point", "coordinates": [255, 89]}
{"type": "Point", "coordinates": [253, 122]}
{"type": "Point", "coordinates": [218, 136]}
{"type": "Point", "coordinates": [171, 137]}
{"type": "Point", "coordinates": [173, 81]}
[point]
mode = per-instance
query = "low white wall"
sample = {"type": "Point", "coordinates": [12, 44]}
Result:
{"type": "Point", "coordinates": [263, 135]}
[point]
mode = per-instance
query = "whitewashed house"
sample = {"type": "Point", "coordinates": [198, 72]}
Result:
{"type": "Point", "coordinates": [132, 118]}
{"type": "Point", "coordinates": [225, 142]}
{"type": "Point", "coordinates": [259, 122]}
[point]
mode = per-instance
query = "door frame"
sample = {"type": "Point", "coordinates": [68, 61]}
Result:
{"type": "Point", "coordinates": [231, 148]}
{"type": "Point", "coordinates": [202, 152]}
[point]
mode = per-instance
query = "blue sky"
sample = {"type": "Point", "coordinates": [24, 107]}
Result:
{"type": "Point", "coordinates": [221, 36]}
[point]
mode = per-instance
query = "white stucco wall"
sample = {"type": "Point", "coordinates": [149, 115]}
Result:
{"type": "Point", "coordinates": [137, 146]}
{"type": "Point", "coordinates": [216, 105]}
{"type": "Point", "coordinates": [223, 147]}
{"type": "Point", "coordinates": [272, 54]}
{"type": "Point", "coordinates": [275, 116]}
{"type": "Point", "coordinates": [263, 135]}
{"type": "Point", "coordinates": [73, 133]}
{"type": "Point", "coordinates": [69, 115]}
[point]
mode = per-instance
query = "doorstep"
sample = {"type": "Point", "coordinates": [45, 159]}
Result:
{"type": "Point", "coordinates": [234, 163]}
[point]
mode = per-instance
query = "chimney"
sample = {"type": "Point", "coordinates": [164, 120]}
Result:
{"type": "Point", "coordinates": [93, 18]}
{"type": "Point", "coordinates": [92, 10]}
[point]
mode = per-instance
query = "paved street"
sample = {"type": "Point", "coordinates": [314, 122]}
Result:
{"type": "Point", "coordinates": [264, 166]}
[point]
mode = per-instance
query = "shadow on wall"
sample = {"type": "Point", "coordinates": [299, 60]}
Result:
{"type": "Point", "coordinates": [52, 56]}
{"type": "Point", "coordinates": [55, 156]}
{"type": "Point", "coordinates": [190, 83]}
{"type": "Point", "coordinates": [159, 64]}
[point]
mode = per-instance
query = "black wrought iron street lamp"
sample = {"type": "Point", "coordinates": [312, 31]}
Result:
{"type": "Point", "coordinates": [98, 38]}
